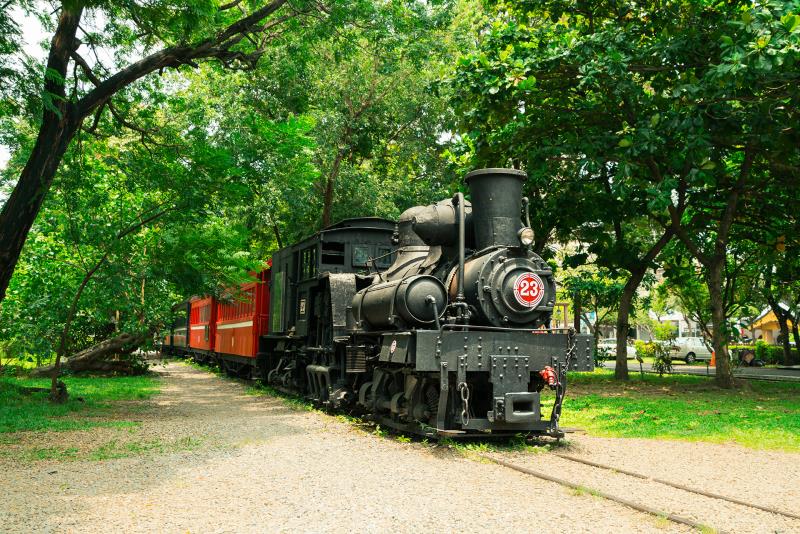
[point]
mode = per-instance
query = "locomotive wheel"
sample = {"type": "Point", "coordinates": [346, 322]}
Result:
{"type": "Point", "coordinates": [366, 398]}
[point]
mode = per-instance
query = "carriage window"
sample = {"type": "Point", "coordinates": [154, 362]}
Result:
{"type": "Point", "coordinates": [360, 256]}
{"type": "Point", "coordinates": [384, 257]}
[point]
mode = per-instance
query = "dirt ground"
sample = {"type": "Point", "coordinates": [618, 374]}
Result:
{"type": "Point", "coordinates": [207, 457]}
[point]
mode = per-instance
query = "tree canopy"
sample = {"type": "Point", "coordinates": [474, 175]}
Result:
{"type": "Point", "coordinates": [165, 149]}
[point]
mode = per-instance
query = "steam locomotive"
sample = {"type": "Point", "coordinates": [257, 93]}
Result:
{"type": "Point", "coordinates": [438, 324]}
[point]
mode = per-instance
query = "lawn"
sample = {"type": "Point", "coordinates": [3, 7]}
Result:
{"type": "Point", "coordinates": [90, 401]}
{"type": "Point", "coordinates": [759, 415]}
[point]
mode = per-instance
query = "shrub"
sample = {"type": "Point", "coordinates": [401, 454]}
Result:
{"type": "Point", "coordinates": [761, 350]}
{"type": "Point", "coordinates": [658, 351]}
{"type": "Point", "coordinates": [643, 349]}
{"type": "Point", "coordinates": [662, 362]}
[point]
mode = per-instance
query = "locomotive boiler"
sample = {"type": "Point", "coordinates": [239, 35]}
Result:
{"type": "Point", "coordinates": [437, 324]}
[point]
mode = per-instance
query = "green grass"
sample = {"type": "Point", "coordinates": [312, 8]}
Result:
{"type": "Point", "coordinates": [758, 415]}
{"type": "Point", "coordinates": [33, 412]}
{"type": "Point", "coordinates": [27, 363]}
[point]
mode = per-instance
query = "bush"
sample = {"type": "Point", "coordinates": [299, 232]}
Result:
{"type": "Point", "coordinates": [644, 349]}
{"type": "Point", "coordinates": [662, 362]}
{"type": "Point", "coordinates": [600, 354]}
{"type": "Point", "coordinates": [658, 351]}
{"type": "Point", "coordinates": [761, 351]}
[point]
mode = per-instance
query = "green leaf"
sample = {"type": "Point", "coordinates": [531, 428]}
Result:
{"type": "Point", "coordinates": [625, 142]}
{"type": "Point", "coordinates": [47, 102]}
{"type": "Point", "coordinates": [654, 120]}
{"type": "Point", "coordinates": [54, 76]}
{"type": "Point", "coordinates": [790, 22]}
{"type": "Point", "coordinates": [708, 165]}
{"type": "Point", "coordinates": [505, 54]}
{"type": "Point", "coordinates": [528, 83]}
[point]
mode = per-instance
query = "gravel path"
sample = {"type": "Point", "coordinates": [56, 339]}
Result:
{"type": "Point", "coordinates": [262, 467]}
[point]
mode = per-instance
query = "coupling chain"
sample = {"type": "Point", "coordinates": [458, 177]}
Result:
{"type": "Point", "coordinates": [463, 389]}
{"type": "Point", "coordinates": [562, 377]}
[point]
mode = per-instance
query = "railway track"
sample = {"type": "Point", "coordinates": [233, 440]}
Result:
{"type": "Point", "coordinates": [675, 518]}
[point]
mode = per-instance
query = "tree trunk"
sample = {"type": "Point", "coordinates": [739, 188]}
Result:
{"type": "Point", "coordinates": [23, 205]}
{"type": "Point", "coordinates": [276, 230]}
{"type": "Point", "coordinates": [330, 182]}
{"type": "Point", "coordinates": [719, 326]}
{"type": "Point", "coordinates": [625, 302]}
{"type": "Point", "coordinates": [576, 318]}
{"type": "Point", "coordinates": [60, 121]}
{"type": "Point", "coordinates": [104, 356]}
{"type": "Point", "coordinates": [783, 322]}
{"type": "Point", "coordinates": [796, 334]}
{"type": "Point", "coordinates": [787, 348]}
{"type": "Point", "coordinates": [64, 342]}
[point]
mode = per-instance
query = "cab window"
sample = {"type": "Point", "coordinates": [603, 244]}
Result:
{"type": "Point", "coordinates": [360, 255]}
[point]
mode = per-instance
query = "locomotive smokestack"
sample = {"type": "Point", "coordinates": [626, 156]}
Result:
{"type": "Point", "coordinates": [496, 196]}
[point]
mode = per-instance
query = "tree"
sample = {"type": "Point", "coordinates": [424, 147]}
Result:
{"type": "Point", "coordinates": [522, 105]}
{"type": "Point", "coordinates": [781, 289]}
{"type": "Point", "coordinates": [377, 113]}
{"type": "Point", "coordinates": [690, 104]}
{"type": "Point", "coordinates": [231, 33]}
{"type": "Point", "coordinates": [599, 295]}
{"type": "Point", "coordinates": [128, 228]}
{"type": "Point", "coordinates": [225, 159]}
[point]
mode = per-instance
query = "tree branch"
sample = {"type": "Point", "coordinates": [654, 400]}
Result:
{"type": "Point", "coordinates": [175, 56]}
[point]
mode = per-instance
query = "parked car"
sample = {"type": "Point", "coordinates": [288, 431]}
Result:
{"type": "Point", "coordinates": [690, 349]}
{"type": "Point", "coordinates": [608, 348]}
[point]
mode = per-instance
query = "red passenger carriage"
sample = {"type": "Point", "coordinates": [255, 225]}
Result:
{"type": "Point", "coordinates": [241, 321]}
{"type": "Point", "coordinates": [202, 328]}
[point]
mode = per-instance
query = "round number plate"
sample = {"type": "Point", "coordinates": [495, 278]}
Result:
{"type": "Point", "coordinates": [529, 289]}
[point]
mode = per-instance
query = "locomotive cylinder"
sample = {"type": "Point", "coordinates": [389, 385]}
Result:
{"type": "Point", "coordinates": [496, 196]}
{"type": "Point", "coordinates": [381, 305]}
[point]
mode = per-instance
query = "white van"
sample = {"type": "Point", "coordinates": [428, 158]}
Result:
{"type": "Point", "coordinates": [690, 349]}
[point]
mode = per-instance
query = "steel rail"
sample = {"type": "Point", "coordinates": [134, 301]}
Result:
{"type": "Point", "coordinates": [625, 502]}
{"type": "Point", "coordinates": [678, 486]}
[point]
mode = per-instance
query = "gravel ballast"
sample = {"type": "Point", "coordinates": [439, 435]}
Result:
{"type": "Point", "coordinates": [263, 467]}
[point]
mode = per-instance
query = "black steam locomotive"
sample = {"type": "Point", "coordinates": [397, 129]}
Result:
{"type": "Point", "coordinates": [438, 324]}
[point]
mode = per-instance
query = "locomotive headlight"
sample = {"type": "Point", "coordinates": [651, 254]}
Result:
{"type": "Point", "coordinates": [525, 236]}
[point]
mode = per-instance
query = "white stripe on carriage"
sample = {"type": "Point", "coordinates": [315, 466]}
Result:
{"type": "Point", "coordinates": [199, 327]}
{"type": "Point", "coordinates": [234, 325]}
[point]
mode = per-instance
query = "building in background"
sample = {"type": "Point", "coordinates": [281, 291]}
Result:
{"type": "Point", "coordinates": [766, 326]}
